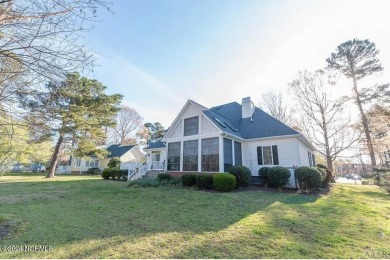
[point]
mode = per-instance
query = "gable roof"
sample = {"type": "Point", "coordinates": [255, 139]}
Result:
{"type": "Point", "coordinates": [117, 150]}
{"type": "Point", "coordinates": [156, 145]}
{"type": "Point", "coordinates": [229, 119]}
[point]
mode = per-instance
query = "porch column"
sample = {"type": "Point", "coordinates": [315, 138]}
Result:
{"type": "Point", "coordinates": [221, 168]}
{"type": "Point", "coordinates": [199, 155]}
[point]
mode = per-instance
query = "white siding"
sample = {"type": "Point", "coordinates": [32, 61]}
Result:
{"type": "Point", "coordinates": [303, 149]}
{"type": "Point", "coordinates": [287, 153]}
{"type": "Point", "coordinates": [207, 126]}
{"type": "Point", "coordinates": [178, 131]}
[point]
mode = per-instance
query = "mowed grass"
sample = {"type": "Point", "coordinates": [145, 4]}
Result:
{"type": "Point", "coordinates": [86, 217]}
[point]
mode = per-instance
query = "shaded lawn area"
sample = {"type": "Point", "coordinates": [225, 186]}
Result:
{"type": "Point", "coordinates": [86, 217]}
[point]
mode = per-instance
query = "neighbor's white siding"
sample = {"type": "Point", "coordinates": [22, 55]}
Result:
{"type": "Point", "coordinates": [287, 152]}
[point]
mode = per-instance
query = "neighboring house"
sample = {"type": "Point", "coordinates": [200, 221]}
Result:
{"type": "Point", "coordinates": [126, 153]}
{"type": "Point", "coordinates": [203, 140]}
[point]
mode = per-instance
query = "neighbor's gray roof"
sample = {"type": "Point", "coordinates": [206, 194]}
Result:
{"type": "Point", "coordinates": [155, 145]}
{"type": "Point", "coordinates": [117, 150]}
{"type": "Point", "coordinates": [228, 118]}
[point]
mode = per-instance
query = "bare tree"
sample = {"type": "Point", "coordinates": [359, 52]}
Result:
{"type": "Point", "coordinates": [274, 104]}
{"type": "Point", "coordinates": [42, 41]}
{"type": "Point", "coordinates": [128, 124]}
{"type": "Point", "coordinates": [321, 120]}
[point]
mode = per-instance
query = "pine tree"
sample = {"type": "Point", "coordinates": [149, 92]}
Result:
{"type": "Point", "coordinates": [358, 59]}
{"type": "Point", "coordinates": [76, 110]}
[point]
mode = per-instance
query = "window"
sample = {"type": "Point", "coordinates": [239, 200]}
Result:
{"type": "Point", "coordinates": [210, 155]}
{"type": "Point", "coordinates": [86, 163]}
{"type": "Point", "coordinates": [267, 155]}
{"type": "Point", "coordinates": [95, 164]}
{"type": "Point", "coordinates": [227, 154]}
{"type": "Point", "coordinates": [191, 126]}
{"type": "Point", "coordinates": [77, 162]}
{"type": "Point", "coordinates": [237, 153]}
{"type": "Point", "coordinates": [174, 156]}
{"type": "Point", "coordinates": [311, 158]}
{"type": "Point", "coordinates": [190, 155]}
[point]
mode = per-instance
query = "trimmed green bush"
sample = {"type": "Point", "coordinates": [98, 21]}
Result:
{"type": "Point", "coordinates": [106, 174]}
{"type": "Point", "coordinates": [204, 181]}
{"type": "Point", "coordinates": [323, 173]}
{"type": "Point", "coordinates": [164, 176]}
{"type": "Point", "coordinates": [224, 181]}
{"type": "Point", "coordinates": [308, 178]}
{"type": "Point", "coordinates": [188, 180]}
{"type": "Point", "coordinates": [92, 170]}
{"type": "Point", "coordinates": [243, 175]}
{"type": "Point", "coordinates": [263, 173]}
{"type": "Point", "coordinates": [278, 176]}
{"type": "Point", "coordinates": [320, 165]}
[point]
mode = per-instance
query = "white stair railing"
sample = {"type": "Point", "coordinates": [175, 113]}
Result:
{"type": "Point", "coordinates": [136, 174]}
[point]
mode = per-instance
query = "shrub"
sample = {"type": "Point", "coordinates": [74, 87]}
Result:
{"type": "Point", "coordinates": [224, 181]}
{"type": "Point", "coordinates": [188, 180]}
{"type": "Point", "coordinates": [170, 182]}
{"type": "Point", "coordinates": [263, 173]}
{"type": "Point", "coordinates": [97, 171]}
{"type": "Point", "coordinates": [320, 165]}
{"type": "Point", "coordinates": [144, 182]}
{"type": "Point", "coordinates": [204, 181]}
{"type": "Point", "coordinates": [92, 170]}
{"type": "Point", "coordinates": [164, 176]}
{"type": "Point", "coordinates": [365, 182]}
{"type": "Point", "coordinates": [323, 173]}
{"type": "Point", "coordinates": [243, 175]}
{"type": "Point", "coordinates": [278, 176]}
{"type": "Point", "coordinates": [114, 163]}
{"type": "Point", "coordinates": [308, 177]}
{"type": "Point", "coordinates": [114, 174]}
{"type": "Point", "coordinates": [152, 182]}
{"type": "Point", "coordinates": [106, 174]}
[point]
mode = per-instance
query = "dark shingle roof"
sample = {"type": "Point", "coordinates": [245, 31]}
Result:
{"type": "Point", "coordinates": [155, 145]}
{"type": "Point", "coordinates": [228, 118]}
{"type": "Point", "coordinates": [117, 150]}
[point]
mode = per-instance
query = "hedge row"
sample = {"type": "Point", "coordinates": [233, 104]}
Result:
{"type": "Point", "coordinates": [219, 181]}
{"type": "Point", "coordinates": [115, 174]}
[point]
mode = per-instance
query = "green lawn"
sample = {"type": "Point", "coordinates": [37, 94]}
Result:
{"type": "Point", "coordinates": [86, 217]}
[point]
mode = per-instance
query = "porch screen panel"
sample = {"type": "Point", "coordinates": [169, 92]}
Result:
{"type": "Point", "coordinates": [190, 155]}
{"type": "Point", "coordinates": [227, 154]}
{"type": "Point", "coordinates": [210, 154]}
{"type": "Point", "coordinates": [237, 153]}
{"type": "Point", "coordinates": [173, 156]}
{"type": "Point", "coordinates": [191, 126]}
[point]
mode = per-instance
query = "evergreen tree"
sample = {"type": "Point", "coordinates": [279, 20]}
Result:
{"type": "Point", "coordinates": [76, 110]}
{"type": "Point", "coordinates": [358, 59]}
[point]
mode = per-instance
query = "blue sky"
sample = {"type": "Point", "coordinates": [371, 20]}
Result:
{"type": "Point", "coordinates": [160, 53]}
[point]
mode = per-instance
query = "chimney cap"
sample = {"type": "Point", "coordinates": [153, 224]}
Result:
{"type": "Point", "coordinates": [246, 99]}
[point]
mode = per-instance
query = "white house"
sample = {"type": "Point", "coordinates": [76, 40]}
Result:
{"type": "Point", "coordinates": [127, 154]}
{"type": "Point", "coordinates": [209, 140]}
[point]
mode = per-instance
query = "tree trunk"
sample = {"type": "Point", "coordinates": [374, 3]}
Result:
{"type": "Point", "coordinates": [365, 125]}
{"type": "Point", "coordinates": [54, 158]}
{"type": "Point", "coordinates": [329, 162]}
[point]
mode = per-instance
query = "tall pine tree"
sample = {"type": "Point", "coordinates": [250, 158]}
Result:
{"type": "Point", "coordinates": [358, 59]}
{"type": "Point", "coordinates": [76, 110]}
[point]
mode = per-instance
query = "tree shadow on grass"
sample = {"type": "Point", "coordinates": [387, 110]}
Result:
{"type": "Point", "coordinates": [74, 212]}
